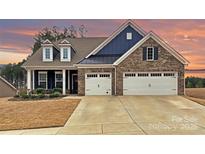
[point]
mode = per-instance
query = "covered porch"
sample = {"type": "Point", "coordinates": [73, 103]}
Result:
{"type": "Point", "coordinates": [49, 79]}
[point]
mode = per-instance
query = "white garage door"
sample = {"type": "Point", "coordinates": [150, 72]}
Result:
{"type": "Point", "coordinates": [98, 84]}
{"type": "Point", "coordinates": [160, 83]}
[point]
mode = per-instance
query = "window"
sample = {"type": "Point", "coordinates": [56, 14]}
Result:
{"type": "Point", "coordinates": [143, 74]}
{"type": "Point", "coordinates": [130, 74]}
{"type": "Point", "coordinates": [47, 53]}
{"type": "Point", "coordinates": [169, 74]}
{"type": "Point", "coordinates": [104, 75]}
{"type": "Point", "coordinates": [65, 54]}
{"type": "Point", "coordinates": [42, 80]}
{"type": "Point", "coordinates": [92, 75]}
{"type": "Point", "coordinates": [58, 79]}
{"type": "Point", "coordinates": [150, 53]}
{"type": "Point", "coordinates": [129, 36]}
{"type": "Point", "coordinates": [156, 74]}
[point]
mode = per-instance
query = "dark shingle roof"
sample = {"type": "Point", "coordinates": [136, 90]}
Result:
{"type": "Point", "coordinates": [82, 47]}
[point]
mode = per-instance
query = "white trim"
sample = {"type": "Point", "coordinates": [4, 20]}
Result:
{"type": "Point", "coordinates": [49, 67]}
{"type": "Point", "coordinates": [114, 34]}
{"type": "Point", "coordinates": [8, 83]}
{"type": "Point", "coordinates": [152, 54]}
{"type": "Point", "coordinates": [47, 40]}
{"type": "Point", "coordinates": [58, 72]}
{"type": "Point", "coordinates": [66, 42]}
{"type": "Point", "coordinates": [33, 73]}
{"type": "Point", "coordinates": [64, 81]}
{"type": "Point", "coordinates": [160, 41]}
{"type": "Point", "coordinates": [44, 54]}
{"type": "Point", "coordinates": [68, 59]}
{"type": "Point", "coordinates": [43, 72]}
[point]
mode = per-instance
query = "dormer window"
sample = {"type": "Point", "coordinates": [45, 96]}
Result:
{"type": "Point", "coordinates": [65, 53]}
{"type": "Point", "coordinates": [129, 36]}
{"type": "Point", "coordinates": [47, 53]}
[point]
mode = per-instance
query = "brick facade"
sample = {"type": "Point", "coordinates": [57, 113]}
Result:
{"type": "Point", "coordinates": [134, 63]}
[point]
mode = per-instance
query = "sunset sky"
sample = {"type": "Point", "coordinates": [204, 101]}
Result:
{"type": "Point", "coordinates": [186, 36]}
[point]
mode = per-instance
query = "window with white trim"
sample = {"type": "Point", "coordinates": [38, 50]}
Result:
{"type": "Point", "coordinates": [42, 80]}
{"type": "Point", "coordinates": [129, 36]}
{"type": "Point", "coordinates": [65, 53]}
{"type": "Point", "coordinates": [58, 79]}
{"type": "Point", "coordinates": [104, 75]}
{"type": "Point", "coordinates": [47, 54]}
{"type": "Point", "coordinates": [169, 74]}
{"type": "Point", "coordinates": [143, 74]}
{"type": "Point", "coordinates": [150, 53]}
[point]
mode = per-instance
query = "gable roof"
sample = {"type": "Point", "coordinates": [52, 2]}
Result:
{"type": "Point", "coordinates": [9, 84]}
{"type": "Point", "coordinates": [81, 46]}
{"type": "Point", "coordinates": [114, 34]}
{"type": "Point", "coordinates": [158, 40]}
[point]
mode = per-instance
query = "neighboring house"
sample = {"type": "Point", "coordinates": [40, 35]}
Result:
{"type": "Point", "coordinates": [128, 62]}
{"type": "Point", "coordinates": [6, 89]}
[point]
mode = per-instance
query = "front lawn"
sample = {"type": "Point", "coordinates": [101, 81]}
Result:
{"type": "Point", "coordinates": [196, 95]}
{"type": "Point", "coordinates": [35, 114]}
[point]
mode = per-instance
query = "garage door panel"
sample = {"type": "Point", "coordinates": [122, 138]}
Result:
{"type": "Point", "coordinates": [150, 85]}
{"type": "Point", "coordinates": [99, 84]}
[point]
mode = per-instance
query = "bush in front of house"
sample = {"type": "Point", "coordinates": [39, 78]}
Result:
{"type": "Point", "coordinates": [55, 94]}
{"type": "Point", "coordinates": [57, 90]}
{"type": "Point", "coordinates": [40, 91]}
{"type": "Point", "coordinates": [40, 95]}
{"type": "Point", "coordinates": [25, 96]}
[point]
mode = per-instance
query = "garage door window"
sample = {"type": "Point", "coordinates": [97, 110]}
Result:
{"type": "Point", "coordinates": [143, 74]}
{"type": "Point", "coordinates": [156, 74]}
{"type": "Point", "coordinates": [169, 74]}
{"type": "Point", "coordinates": [130, 74]}
{"type": "Point", "coordinates": [92, 75]}
{"type": "Point", "coordinates": [104, 75]}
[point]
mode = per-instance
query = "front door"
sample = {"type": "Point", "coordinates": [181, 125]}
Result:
{"type": "Point", "coordinates": [74, 89]}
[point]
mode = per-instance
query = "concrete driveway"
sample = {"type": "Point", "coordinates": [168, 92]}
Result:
{"type": "Point", "coordinates": [136, 115]}
{"type": "Point", "coordinates": [131, 115]}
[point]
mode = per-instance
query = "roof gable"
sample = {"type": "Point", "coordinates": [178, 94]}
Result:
{"type": "Point", "coordinates": [128, 23]}
{"type": "Point", "coordinates": [120, 44]}
{"type": "Point", "coordinates": [158, 40]}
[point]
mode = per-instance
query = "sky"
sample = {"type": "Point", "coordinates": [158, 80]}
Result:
{"type": "Point", "coordinates": [186, 36]}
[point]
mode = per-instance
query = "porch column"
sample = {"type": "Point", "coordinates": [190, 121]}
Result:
{"type": "Point", "coordinates": [28, 80]}
{"type": "Point", "coordinates": [33, 72]}
{"type": "Point", "coordinates": [64, 82]}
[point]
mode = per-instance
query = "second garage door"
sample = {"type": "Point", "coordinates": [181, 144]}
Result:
{"type": "Point", "coordinates": [98, 84]}
{"type": "Point", "coordinates": [160, 83]}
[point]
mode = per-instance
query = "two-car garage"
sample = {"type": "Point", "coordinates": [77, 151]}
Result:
{"type": "Point", "coordinates": [152, 83]}
{"type": "Point", "coordinates": [134, 83]}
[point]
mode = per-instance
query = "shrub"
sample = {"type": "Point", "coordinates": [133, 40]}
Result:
{"type": "Point", "coordinates": [25, 96]}
{"type": "Point", "coordinates": [55, 94]}
{"type": "Point", "coordinates": [41, 95]}
{"type": "Point", "coordinates": [57, 90]}
{"type": "Point", "coordinates": [40, 91]}
{"type": "Point", "coordinates": [34, 96]}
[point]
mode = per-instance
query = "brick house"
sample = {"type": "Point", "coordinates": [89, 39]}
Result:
{"type": "Point", "coordinates": [128, 62]}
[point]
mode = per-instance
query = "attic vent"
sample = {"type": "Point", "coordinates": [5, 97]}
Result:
{"type": "Point", "coordinates": [129, 36]}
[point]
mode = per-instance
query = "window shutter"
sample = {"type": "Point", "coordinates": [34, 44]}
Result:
{"type": "Point", "coordinates": [155, 53]}
{"type": "Point", "coordinates": [144, 54]}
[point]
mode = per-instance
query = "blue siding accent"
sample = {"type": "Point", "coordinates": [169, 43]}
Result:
{"type": "Point", "coordinates": [120, 44]}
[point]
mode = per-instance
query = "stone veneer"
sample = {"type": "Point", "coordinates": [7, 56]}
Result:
{"type": "Point", "coordinates": [134, 63]}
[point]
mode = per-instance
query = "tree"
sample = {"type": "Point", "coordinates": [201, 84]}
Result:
{"type": "Point", "coordinates": [199, 84]}
{"type": "Point", "coordinates": [82, 31]}
{"type": "Point", "coordinates": [189, 84]}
